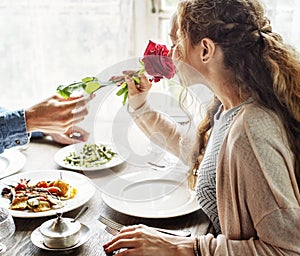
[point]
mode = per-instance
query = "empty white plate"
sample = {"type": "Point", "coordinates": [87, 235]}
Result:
{"type": "Point", "coordinates": [11, 161]}
{"type": "Point", "coordinates": [141, 194]}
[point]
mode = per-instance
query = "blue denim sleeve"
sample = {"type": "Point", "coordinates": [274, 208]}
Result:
{"type": "Point", "coordinates": [13, 129]}
{"type": "Point", "coordinates": [37, 135]}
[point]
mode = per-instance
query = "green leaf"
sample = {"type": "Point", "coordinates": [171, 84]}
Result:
{"type": "Point", "coordinates": [125, 97]}
{"type": "Point", "coordinates": [91, 87]}
{"type": "Point", "coordinates": [88, 84]}
{"type": "Point", "coordinates": [89, 79]}
{"type": "Point", "coordinates": [142, 63]}
{"type": "Point", "coordinates": [123, 85]}
{"type": "Point", "coordinates": [66, 90]}
{"type": "Point", "coordinates": [142, 70]}
{"type": "Point", "coordinates": [122, 90]}
{"type": "Point", "coordinates": [64, 94]}
{"type": "Point", "coordinates": [136, 80]}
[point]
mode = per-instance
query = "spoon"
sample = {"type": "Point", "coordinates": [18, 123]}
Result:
{"type": "Point", "coordinates": [82, 211]}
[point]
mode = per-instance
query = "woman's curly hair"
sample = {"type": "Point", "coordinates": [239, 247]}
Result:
{"type": "Point", "coordinates": [263, 65]}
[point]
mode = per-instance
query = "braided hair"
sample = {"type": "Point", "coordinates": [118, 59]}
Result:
{"type": "Point", "coordinates": [263, 65]}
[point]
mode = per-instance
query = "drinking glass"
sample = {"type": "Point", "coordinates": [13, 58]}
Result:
{"type": "Point", "coordinates": [7, 227]}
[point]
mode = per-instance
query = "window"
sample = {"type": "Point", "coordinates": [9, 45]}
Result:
{"type": "Point", "coordinates": [284, 16]}
{"type": "Point", "coordinates": [45, 43]}
{"type": "Point", "coordinates": [282, 13]}
{"type": "Point", "coordinates": [166, 10]}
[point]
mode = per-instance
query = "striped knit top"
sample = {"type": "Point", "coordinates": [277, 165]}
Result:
{"type": "Point", "coordinates": [206, 182]}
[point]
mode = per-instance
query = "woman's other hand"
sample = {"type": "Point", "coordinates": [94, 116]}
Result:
{"type": "Point", "coordinates": [143, 240]}
{"type": "Point", "coordinates": [137, 93]}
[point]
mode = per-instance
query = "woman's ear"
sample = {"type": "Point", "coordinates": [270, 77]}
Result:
{"type": "Point", "coordinates": [207, 49]}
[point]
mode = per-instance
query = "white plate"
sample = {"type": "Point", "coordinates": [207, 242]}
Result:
{"type": "Point", "coordinates": [38, 240]}
{"type": "Point", "coordinates": [65, 151]}
{"type": "Point", "coordinates": [11, 161]}
{"type": "Point", "coordinates": [142, 195]}
{"type": "Point", "coordinates": [85, 190]}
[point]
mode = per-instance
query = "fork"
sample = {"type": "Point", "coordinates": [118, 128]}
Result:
{"type": "Point", "coordinates": [117, 227]}
{"type": "Point", "coordinates": [111, 231]}
{"type": "Point", "coordinates": [156, 167]}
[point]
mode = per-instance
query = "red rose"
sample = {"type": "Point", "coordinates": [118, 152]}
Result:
{"type": "Point", "coordinates": [156, 62]}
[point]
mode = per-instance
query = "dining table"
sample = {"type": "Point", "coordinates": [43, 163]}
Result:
{"type": "Point", "coordinates": [39, 155]}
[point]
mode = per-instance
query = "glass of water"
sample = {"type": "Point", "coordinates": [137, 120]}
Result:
{"type": "Point", "coordinates": [7, 227]}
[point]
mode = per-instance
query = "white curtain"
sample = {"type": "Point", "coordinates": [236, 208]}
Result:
{"type": "Point", "coordinates": [45, 43]}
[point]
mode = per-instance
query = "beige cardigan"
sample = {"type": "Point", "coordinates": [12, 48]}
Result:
{"type": "Point", "coordinates": [257, 194]}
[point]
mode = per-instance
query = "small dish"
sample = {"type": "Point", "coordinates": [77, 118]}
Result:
{"type": "Point", "coordinates": [62, 153]}
{"type": "Point", "coordinates": [38, 240]}
{"type": "Point", "coordinates": [60, 232]}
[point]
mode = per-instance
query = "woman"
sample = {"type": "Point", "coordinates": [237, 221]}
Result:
{"type": "Point", "coordinates": [254, 143]}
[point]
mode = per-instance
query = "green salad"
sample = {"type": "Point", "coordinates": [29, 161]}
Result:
{"type": "Point", "coordinates": [91, 155]}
